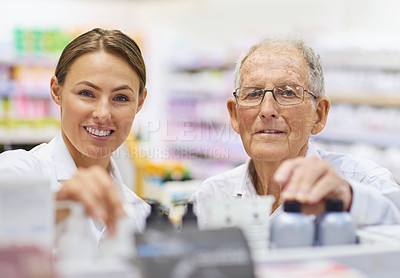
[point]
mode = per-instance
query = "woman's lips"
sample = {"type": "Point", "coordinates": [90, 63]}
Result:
{"type": "Point", "coordinates": [98, 132]}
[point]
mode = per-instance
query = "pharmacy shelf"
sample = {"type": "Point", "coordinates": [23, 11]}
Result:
{"type": "Point", "coordinates": [27, 135]}
{"type": "Point", "coordinates": [379, 243]}
{"type": "Point", "coordinates": [348, 136]}
{"type": "Point", "coordinates": [383, 100]}
{"type": "Point", "coordinates": [374, 260]}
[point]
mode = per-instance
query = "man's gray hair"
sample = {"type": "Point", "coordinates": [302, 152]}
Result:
{"type": "Point", "coordinates": [316, 78]}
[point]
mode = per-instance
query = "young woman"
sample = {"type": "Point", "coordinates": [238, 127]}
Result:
{"type": "Point", "coordinates": [99, 84]}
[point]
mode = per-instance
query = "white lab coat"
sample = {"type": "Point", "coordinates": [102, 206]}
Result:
{"type": "Point", "coordinates": [376, 196]}
{"type": "Point", "coordinates": [53, 161]}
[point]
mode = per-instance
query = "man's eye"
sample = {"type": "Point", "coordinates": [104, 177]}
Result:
{"type": "Point", "coordinates": [254, 94]}
{"type": "Point", "coordinates": [85, 93]}
{"type": "Point", "coordinates": [121, 98]}
{"type": "Point", "coordinates": [288, 93]}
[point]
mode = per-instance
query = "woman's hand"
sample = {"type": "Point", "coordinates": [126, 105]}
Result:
{"type": "Point", "coordinates": [311, 181]}
{"type": "Point", "coordinates": [94, 188]}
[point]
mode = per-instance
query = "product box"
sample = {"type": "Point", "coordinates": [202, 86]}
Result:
{"type": "Point", "coordinates": [194, 254]}
{"type": "Point", "coordinates": [26, 211]}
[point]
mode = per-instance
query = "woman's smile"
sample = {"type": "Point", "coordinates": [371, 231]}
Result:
{"type": "Point", "coordinates": [99, 132]}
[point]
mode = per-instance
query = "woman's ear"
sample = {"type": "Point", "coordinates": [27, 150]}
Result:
{"type": "Point", "coordinates": [323, 105]}
{"type": "Point", "coordinates": [141, 100]}
{"type": "Point", "coordinates": [232, 108]}
{"type": "Point", "coordinates": [55, 90]}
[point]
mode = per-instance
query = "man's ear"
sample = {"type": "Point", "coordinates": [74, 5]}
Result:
{"type": "Point", "coordinates": [141, 100]}
{"type": "Point", "coordinates": [55, 90]}
{"type": "Point", "coordinates": [232, 108]}
{"type": "Point", "coordinates": [323, 105]}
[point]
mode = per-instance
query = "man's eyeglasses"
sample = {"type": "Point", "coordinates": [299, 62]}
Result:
{"type": "Point", "coordinates": [284, 95]}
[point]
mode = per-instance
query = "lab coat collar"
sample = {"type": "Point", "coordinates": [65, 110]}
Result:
{"type": "Point", "coordinates": [246, 188]}
{"type": "Point", "coordinates": [312, 150]}
{"type": "Point", "coordinates": [116, 175]}
{"type": "Point", "coordinates": [64, 164]}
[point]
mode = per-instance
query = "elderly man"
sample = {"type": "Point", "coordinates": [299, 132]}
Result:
{"type": "Point", "coordinates": [278, 103]}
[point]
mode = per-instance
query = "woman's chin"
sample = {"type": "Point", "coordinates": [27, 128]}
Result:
{"type": "Point", "coordinates": [99, 153]}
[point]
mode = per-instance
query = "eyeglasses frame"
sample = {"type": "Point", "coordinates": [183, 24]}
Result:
{"type": "Point", "coordinates": [273, 94]}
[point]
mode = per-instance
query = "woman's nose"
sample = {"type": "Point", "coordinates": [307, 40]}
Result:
{"type": "Point", "coordinates": [102, 110]}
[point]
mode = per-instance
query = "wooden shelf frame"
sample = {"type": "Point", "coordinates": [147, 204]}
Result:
{"type": "Point", "coordinates": [384, 100]}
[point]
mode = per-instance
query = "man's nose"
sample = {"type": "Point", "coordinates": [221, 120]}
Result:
{"type": "Point", "coordinates": [269, 106]}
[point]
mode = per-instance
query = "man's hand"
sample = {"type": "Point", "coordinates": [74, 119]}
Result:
{"type": "Point", "coordinates": [311, 181]}
{"type": "Point", "coordinates": [94, 188]}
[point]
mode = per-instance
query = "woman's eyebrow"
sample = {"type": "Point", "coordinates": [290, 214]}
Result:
{"type": "Point", "coordinates": [87, 83]}
{"type": "Point", "coordinates": [120, 88]}
{"type": "Point", "coordinates": [123, 87]}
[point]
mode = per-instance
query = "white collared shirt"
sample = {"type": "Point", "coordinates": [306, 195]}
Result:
{"type": "Point", "coordinates": [53, 161]}
{"type": "Point", "coordinates": [376, 196]}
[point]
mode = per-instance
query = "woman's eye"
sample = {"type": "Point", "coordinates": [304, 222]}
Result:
{"type": "Point", "coordinates": [121, 98]}
{"type": "Point", "coordinates": [85, 93]}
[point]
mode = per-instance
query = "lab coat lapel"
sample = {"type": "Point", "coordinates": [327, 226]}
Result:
{"type": "Point", "coordinates": [64, 164]}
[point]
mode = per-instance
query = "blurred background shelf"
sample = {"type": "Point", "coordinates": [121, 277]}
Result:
{"type": "Point", "coordinates": [27, 135]}
{"type": "Point", "coordinates": [384, 100]}
{"type": "Point", "coordinates": [190, 64]}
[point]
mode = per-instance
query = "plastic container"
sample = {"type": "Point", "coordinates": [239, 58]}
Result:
{"type": "Point", "coordinates": [77, 243]}
{"type": "Point", "coordinates": [121, 245]}
{"type": "Point", "coordinates": [292, 228]}
{"type": "Point", "coordinates": [335, 226]}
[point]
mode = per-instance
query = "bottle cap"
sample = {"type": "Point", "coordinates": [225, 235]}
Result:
{"type": "Point", "coordinates": [334, 205]}
{"type": "Point", "coordinates": [292, 206]}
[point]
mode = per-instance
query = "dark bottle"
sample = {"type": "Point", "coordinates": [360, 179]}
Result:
{"type": "Point", "coordinates": [157, 219]}
{"type": "Point", "coordinates": [189, 219]}
{"type": "Point", "coordinates": [292, 228]}
{"type": "Point", "coordinates": [336, 226]}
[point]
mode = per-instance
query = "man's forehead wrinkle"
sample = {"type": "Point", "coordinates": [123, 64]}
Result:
{"type": "Point", "coordinates": [291, 60]}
